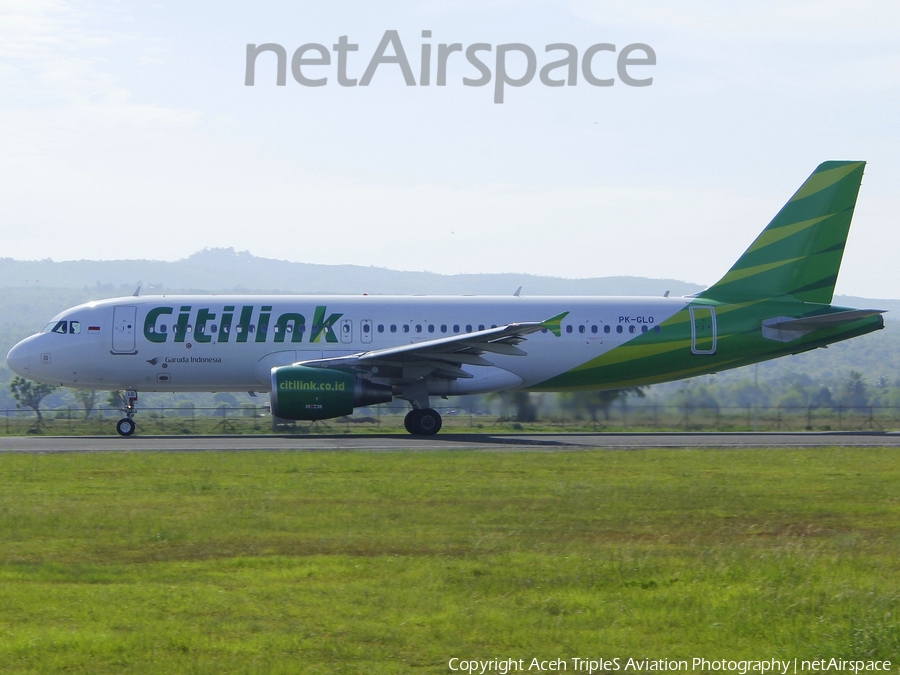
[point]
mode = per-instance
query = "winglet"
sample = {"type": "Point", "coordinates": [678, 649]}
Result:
{"type": "Point", "coordinates": [554, 324]}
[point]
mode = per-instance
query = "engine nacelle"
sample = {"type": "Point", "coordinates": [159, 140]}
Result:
{"type": "Point", "coordinates": [304, 393]}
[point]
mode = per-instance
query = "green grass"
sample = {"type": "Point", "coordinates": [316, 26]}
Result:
{"type": "Point", "coordinates": [262, 562]}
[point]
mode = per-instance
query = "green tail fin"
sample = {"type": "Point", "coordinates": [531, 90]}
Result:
{"type": "Point", "coordinates": [799, 253]}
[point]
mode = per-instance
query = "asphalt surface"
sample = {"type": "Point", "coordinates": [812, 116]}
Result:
{"type": "Point", "coordinates": [484, 442]}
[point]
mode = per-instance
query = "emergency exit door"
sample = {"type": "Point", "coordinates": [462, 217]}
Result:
{"type": "Point", "coordinates": [346, 331]}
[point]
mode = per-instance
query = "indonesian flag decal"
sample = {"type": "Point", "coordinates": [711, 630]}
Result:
{"type": "Point", "coordinates": [93, 329]}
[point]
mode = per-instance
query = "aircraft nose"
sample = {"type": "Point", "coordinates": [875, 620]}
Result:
{"type": "Point", "coordinates": [17, 359]}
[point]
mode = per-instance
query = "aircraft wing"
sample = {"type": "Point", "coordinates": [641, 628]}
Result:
{"type": "Point", "coordinates": [441, 357]}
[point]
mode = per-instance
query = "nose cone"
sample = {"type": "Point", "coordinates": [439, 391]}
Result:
{"type": "Point", "coordinates": [18, 360]}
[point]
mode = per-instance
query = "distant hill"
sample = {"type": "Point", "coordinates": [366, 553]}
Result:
{"type": "Point", "coordinates": [224, 269]}
{"type": "Point", "coordinates": [891, 306]}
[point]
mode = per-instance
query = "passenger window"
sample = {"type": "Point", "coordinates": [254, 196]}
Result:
{"type": "Point", "coordinates": [251, 328]}
{"type": "Point", "coordinates": [619, 328]}
{"type": "Point", "coordinates": [468, 328]}
{"type": "Point", "coordinates": [418, 328]}
{"type": "Point", "coordinates": [644, 329]}
{"type": "Point", "coordinates": [162, 328]}
{"type": "Point", "coordinates": [393, 328]}
{"type": "Point", "coordinates": [568, 329]}
{"type": "Point", "coordinates": [456, 328]}
{"type": "Point", "coordinates": [606, 328]}
{"type": "Point", "coordinates": [381, 328]}
{"type": "Point", "coordinates": [443, 328]}
{"type": "Point", "coordinates": [213, 328]}
{"type": "Point", "coordinates": [481, 326]}
{"type": "Point", "coordinates": [593, 329]}
{"type": "Point", "coordinates": [631, 329]}
{"type": "Point", "coordinates": [406, 328]}
{"type": "Point", "coordinates": [74, 327]}
{"type": "Point", "coordinates": [431, 328]}
{"type": "Point", "coordinates": [346, 328]}
{"type": "Point", "coordinates": [655, 329]}
{"type": "Point", "coordinates": [365, 328]}
{"type": "Point", "coordinates": [581, 329]}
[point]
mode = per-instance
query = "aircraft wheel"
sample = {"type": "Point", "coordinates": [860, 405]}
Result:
{"type": "Point", "coordinates": [411, 421]}
{"type": "Point", "coordinates": [125, 426]}
{"type": "Point", "coordinates": [429, 422]}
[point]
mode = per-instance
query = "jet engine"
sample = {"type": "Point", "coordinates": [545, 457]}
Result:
{"type": "Point", "coordinates": [305, 393]}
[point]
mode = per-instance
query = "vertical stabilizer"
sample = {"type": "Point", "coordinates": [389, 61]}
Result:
{"type": "Point", "coordinates": [799, 253]}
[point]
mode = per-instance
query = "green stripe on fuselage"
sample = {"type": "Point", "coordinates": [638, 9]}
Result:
{"type": "Point", "coordinates": [658, 357]}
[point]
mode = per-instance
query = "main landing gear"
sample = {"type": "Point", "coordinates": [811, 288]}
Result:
{"type": "Point", "coordinates": [126, 425]}
{"type": "Point", "coordinates": [423, 422]}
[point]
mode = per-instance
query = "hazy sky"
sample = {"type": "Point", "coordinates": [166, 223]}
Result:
{"type": "Point", "coordinates": [126, 131]}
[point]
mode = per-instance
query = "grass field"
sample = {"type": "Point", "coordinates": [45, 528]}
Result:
{"type": "Point", "coordinates": [261, 562]}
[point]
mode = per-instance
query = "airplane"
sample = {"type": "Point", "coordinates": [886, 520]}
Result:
{"type": "Point", "coordinates": [321, 357]}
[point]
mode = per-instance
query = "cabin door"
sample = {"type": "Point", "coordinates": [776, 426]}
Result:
{"type": "Point", "coordinates": [703, 330]}
{"type": "Point", "coordinates": [123, 330]}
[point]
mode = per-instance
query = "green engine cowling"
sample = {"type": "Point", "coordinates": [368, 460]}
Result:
{"type": "Point", "coordinates": [304, 393]}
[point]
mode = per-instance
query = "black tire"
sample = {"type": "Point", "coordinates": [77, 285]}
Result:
{"type": "Point", "coordinates": [429, 422]}
{"type": "Point", "coordinates": [125, 426]}
{"type": "Point", "coordinates": [411, 421]}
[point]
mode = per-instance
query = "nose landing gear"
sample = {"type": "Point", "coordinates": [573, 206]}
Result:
{"type": "Point", "coordinates": [126, 425]}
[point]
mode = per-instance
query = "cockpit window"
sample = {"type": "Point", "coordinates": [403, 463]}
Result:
{"type": "Point", "coordinates": [63, 327]}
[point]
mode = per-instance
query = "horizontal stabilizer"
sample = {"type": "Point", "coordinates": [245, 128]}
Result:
{"type": "Point", "coordinates": [785, 329]}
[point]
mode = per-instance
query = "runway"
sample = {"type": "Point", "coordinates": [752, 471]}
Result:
{"type": "Point", "coordinates": [462, 442]}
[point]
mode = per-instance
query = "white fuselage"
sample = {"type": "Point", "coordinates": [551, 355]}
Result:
{"type": "Point", "coordinates": [222, 343]}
